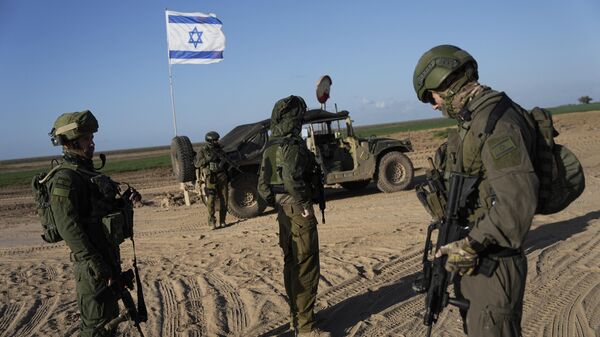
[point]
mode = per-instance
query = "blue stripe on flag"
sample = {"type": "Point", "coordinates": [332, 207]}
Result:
{"type": "Point", "coordinates": [194, 19]}
{"type": "Point", "coordinates": [182, 54]}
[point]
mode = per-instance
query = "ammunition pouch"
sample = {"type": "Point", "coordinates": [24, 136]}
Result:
{"type": "Point", "coordinates": [433, 201]}
{"type": "Point", "coordinates": [214, 167]}
{"type": "Point", "coordinates": [118, 226]}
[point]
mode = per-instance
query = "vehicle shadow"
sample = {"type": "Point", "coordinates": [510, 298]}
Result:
{"type": "Point", "coordinates": [342, 193]}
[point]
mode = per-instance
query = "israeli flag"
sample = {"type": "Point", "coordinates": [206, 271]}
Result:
{"type": "Point", "coordinates": [194, 38]}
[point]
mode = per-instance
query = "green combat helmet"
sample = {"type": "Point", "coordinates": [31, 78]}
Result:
{"type": "Point", "coordinates": [435, 67]}
{"type": "Point", "coordinates": [287, 116]}
{"type": "Point", "coordinates": [72, 125]}
{"type": "Point", "coordinates": [212, 136]}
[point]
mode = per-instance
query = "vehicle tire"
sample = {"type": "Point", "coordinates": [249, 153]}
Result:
{"type": "Point", "coordinates": [244, 201]}
{"type": "Point", "coordinates": [395, 172]}
{"type": "Point", "coordinates": [355, 185]}
{"type": "Point", "coordinates": [182, 159]}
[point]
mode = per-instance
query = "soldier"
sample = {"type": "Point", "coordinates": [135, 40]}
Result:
{"type": "Point", "coordinates": [286, 181]}
{"type": "Point", "coordinates": [494, 142]}
{"type": "Point", "coordinates": [211, 161]}
{"type": "Point", "coordinates": [86, 206]}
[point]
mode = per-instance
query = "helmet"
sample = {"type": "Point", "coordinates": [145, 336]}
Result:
{"type": "Point", "coordinates": [212, 136]}
{"type": "Point", "coordinates": [287, 116]}
{"type": "Point", "coordinates": [72, 125]}
{"type": "Point", "coordinates": [435, 66]}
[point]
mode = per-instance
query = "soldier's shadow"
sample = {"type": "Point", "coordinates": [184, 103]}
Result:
{"type": "Point", "coordinates": [546, 235]}
{"type": "Point", "coordinates": [339, 318]}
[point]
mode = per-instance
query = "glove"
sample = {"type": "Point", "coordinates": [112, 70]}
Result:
{"type": "Point", "coordinates": [462, 257]}
{"type": "Point", "coordinates": [132, 195]}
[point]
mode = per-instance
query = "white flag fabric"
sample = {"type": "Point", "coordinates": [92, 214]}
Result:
{"type": "Point", "coordinates": [194, 38]}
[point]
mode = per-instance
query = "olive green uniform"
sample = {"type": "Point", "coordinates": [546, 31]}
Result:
{"type": "Point", "coordinates": [502, 210]}
{"type": "Point", "coordinates": [217, 183]}
{"type": "Point", "coordinates": [285, 182]}
{"type": "Point", "coordinates": [78, 207]}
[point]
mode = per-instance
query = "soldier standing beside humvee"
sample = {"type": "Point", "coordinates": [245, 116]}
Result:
{"type": "Point", "coordinates": [210, 159]}
{"type": "Point", "coordinates": [494, 144]}
{"type": "Point", "coordinates": [286, 181]}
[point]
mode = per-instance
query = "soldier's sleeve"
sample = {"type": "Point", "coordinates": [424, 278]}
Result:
{"type": "Point", "coordinates": [263, 185]}
{"type": "Point", "coordinates": [513, 188]}
{"type": "Point", "coordinates": [295, 163]}
{"type": "Point", "coordinates": [65, 195]}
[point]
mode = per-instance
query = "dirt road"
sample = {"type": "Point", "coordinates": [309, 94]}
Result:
{"type": "Point", "coordinates": [228, 282]}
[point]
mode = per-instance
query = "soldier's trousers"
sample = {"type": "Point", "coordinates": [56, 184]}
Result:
{"type": "Point", "coordinates": [496, 302]}
{"type": "Point", "coordinates": [94, 313]}
{"type": "Point", "coordinates": [217, 192]}
{"type": "Point", "coordinates": [299, 240]}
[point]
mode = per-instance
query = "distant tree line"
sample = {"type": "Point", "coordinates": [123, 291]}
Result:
{"type": "Point", "coordinates": [585, 99]}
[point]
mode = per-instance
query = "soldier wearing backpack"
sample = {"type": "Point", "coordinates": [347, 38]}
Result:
{"type": "Point", "coordinates": [495, 142]}
{"type": "Point", "coordinates": [88, 211]}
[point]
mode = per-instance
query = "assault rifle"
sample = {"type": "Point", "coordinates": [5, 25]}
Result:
{"type": "Point", "coordinates": [118, 289]}
{"type": "Point", "coordinates": [435, 279]}
{"type": "Point", "coordinates": [224, 160]}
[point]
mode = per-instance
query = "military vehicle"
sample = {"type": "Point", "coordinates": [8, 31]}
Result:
{"type": "Point", "coordinates": [345, 158]}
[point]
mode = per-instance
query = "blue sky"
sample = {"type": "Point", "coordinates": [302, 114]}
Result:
{"type": "Point", "coordinates": [110, 57]}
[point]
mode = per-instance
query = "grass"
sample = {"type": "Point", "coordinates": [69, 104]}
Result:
{"type": "Point", "coordinates": [8, 178]}
{"type": "Point", "coordinates": [436, 123]}
{"type": "Point", "coordinates": [24, 177]}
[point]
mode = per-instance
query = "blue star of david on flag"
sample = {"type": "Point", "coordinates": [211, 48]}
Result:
{"type": "Point", "coordinates": [194, 38]}
{"type": "Point", "coordinates": [198, 40]}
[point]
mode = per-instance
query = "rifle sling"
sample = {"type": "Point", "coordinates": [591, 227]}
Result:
{"type": "Point", "coordinates": [142, 311]}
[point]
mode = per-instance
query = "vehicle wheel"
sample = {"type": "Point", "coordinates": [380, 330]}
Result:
{"type": "Point", "coordinates": [182, 159]}
{"type": "Point", "coordinates": [244, 201]}
{"type": "Point", "coordinates": [355, 185]}
{"type": "Point", "coordinates": [395, 172]}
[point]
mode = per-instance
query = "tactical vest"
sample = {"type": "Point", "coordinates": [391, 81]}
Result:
{"type": "Point", "coordinates": [463, 154]}
{"type": "Point", "coordinates": [108, 209]}
{"type": "Point", "coordinates": [274, 159]}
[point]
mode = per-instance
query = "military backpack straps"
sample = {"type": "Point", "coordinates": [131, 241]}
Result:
{"type": "Point", "coordinates": [559, 171]}
{"type": "Point", "coordinates": [41, 195]}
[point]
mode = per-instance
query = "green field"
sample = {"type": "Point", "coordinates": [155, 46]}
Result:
{"type": "Point", "coordinates": [24, 177]}
{"type": "Point", "coordinates": [12, 177]}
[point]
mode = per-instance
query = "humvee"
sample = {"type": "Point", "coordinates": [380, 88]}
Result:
{"type": "Point", "coordinates": [345, 158]}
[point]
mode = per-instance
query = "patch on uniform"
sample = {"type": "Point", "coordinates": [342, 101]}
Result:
{"type": "Point", "coordinates": [61, 192]}
{"type": "Point", "coordinates": [501, 147]}
{"type": "Point", "coordinates": [505, 152]}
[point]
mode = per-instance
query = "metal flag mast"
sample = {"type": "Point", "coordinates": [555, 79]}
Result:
{"type": "Point", "coordinates": [170, 75]}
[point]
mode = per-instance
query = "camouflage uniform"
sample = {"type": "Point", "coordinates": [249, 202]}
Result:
{"type": "Point", "coordinates": [217, 182]}
{"type": "Point", "coordinates": [284, 182]}
{"type": "Point", "coordinates": [501, 209]}
{"type": "Point", "coordinates": [79, 206]}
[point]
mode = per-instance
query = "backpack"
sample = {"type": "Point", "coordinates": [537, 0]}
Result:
{"type": "Point", "coordinates": [561, 178]}
{"type": "Point", "coordinates": [41, 195]}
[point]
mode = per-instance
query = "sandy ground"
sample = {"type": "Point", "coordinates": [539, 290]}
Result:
{"type": "Point", "coordinates": [228, 282]}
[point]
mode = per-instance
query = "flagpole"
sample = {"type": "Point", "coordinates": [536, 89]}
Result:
{"type": "Point", "coordinates": [170, 76]}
